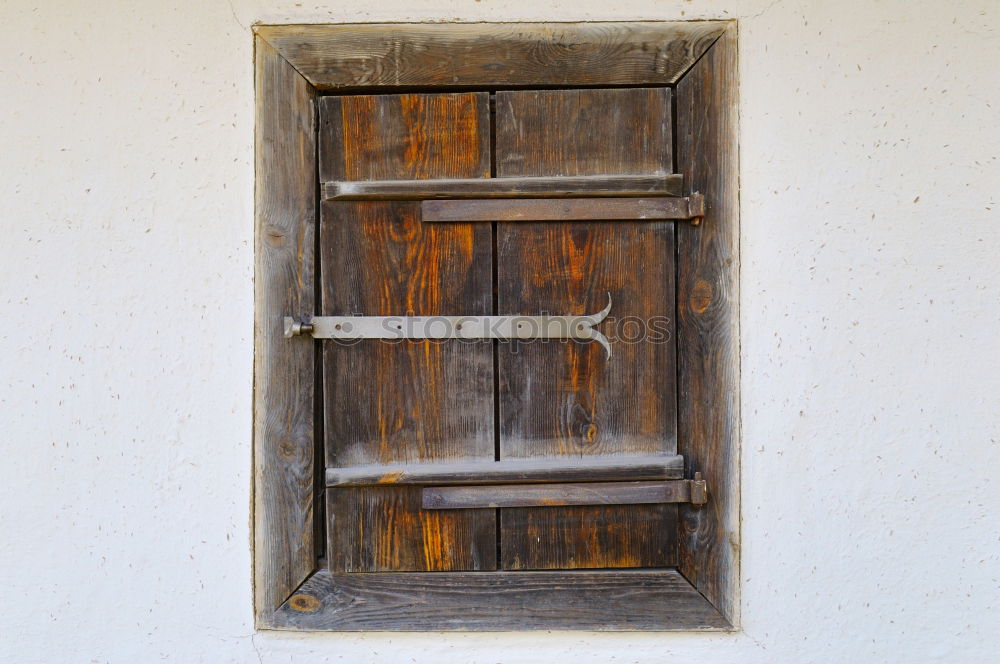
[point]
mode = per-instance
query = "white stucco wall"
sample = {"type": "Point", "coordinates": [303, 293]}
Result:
{"type": "Point", "coordinates": [870, 318]}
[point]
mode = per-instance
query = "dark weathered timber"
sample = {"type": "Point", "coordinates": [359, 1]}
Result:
{"type": "Point", "coordinates": [626, 600]}
{"type": "Point", "coordinates": [413, 401]}
{"type": "Point", "coordinates": [540, 187]}
{"type": "Point", "coordinates": [707, 326]}
{"type": "Point", "coordinates": [583, 132]}
{"type": "Point", "coordinates": [483, 55]}
{"type": "Point", "coordinates": [556, 495]}
{"type": "Point", "coordinates": [566, 209]}
{"type": "Point", "coordinates": [594, 469]}
{"type": "Point", "coordinates": [566, 399]}
{"type": "Point", "coordinates": [285, 217]}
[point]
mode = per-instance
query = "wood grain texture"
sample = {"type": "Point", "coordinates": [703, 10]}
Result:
{"type": "Point", "coordinates": [627, 600]}
{"type": "Point", "coordinates": [386, 529]}
{"type": "Point", "coordinates": [285, 214]}
{"type": "Point", "coordinates": [583, 132]}
{"type": "Point", "coordinates": [404, 137]}
{"type": "Point", "coordinates": [594, 469]}
{"type": "Point", "coordinates": [541, 187]}
{"type": "Point", "coordinates": [405, 401]}
{"type": "Point", "coordinates": [565, 209]}
{"type": "Point", "coordinates": [708, 319]}
{"type": "Point", "coordinates": [410, 401]}
{"type": "Point", "coordinates": [395, 56]}
{"type": "Point", "coordinates": [566, 399]}
{"type": "Point", "coordinates": [584, 537]}
{"type": "Point", "coordinates": [556, 494]}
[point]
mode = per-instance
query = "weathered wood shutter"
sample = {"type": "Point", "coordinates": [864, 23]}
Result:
{"type": "Point", "coordinates": [411, 402]}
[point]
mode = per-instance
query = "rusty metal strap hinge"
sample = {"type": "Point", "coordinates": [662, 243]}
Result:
{"type": "Point", "coordinates": [540, 198]}
{"type": "Point", "coordinates": [665, 208]}
{"type": "Point", "coordinates": [347, 328]}
{"type": "Point", "coordinates": [547, 470]}
{"type": "Point", "coordinates": [558, 186]}
{"type": "Point", "coordinates": [562, 494]}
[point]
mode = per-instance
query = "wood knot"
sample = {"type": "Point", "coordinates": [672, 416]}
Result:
{"type": "Point", "coordinates": [701, 296]}
{"type": "Point", "coordinates": [274, 236]}
{"type": "Point", "coordinates": [590, 433]}
{"type": "Point", "coordinates": [304, 603]}
{"type": "Point", "coordinates": [287, 449]}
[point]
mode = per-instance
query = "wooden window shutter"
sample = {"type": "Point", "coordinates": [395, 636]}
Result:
{"type": "Point", "coordinates": [424, 401]}
{"type": "Point", "coordinates": [567, 458]}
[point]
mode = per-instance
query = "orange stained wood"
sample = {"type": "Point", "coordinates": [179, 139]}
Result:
{"type": "Point", "coordinates": [580, 537]}
{"type": "Point", "coordinates": [413, 136]}
{"type": "Point", "coordinates": [701, 296]}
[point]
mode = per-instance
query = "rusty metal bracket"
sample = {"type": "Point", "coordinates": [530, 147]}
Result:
{"type": "Point", "coordinates": [699, 490]}
{"type": "Point", "coordinates": [650, 209]}
{"type": "Point", "coordinates": [563, 494]}
{"type": "Point", "coordinates": [696, 208]}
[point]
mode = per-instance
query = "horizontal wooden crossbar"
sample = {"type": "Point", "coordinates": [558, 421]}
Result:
{"type": "Point", "coordinates": [519, 187]}
{"type": "Point", "coordinates": [594, 469]}
{"type": "Point", "coordinates": [395, 56]}
{"type": "Point", "coordinates": [558, 495]}
{"type": "Point", "coordinates": [565, 209]}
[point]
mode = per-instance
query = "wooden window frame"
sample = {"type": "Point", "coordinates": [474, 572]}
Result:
{"type": "Point", "coordinates": [293, 63]}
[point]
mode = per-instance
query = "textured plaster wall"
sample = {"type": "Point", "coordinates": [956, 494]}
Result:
{"type": "Point", "coordinates": [871, 280]}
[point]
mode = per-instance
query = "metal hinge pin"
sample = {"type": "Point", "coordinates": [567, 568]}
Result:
{"type": "Point", "coordinates": [294, 328]}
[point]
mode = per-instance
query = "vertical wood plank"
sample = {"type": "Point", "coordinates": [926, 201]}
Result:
{"type": "Point", "coordinates": [708, 319]}
{"type": "Point", "coordinates": [285, 217]}
{"type": "Point", "coordinates": [415, 400]}
{"type": "Point", "coordinates": [562, 398]}
{"type": "Point", "coordinates": [407, 401]}
{"type": "Point", "coordinates": [566, 399]}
